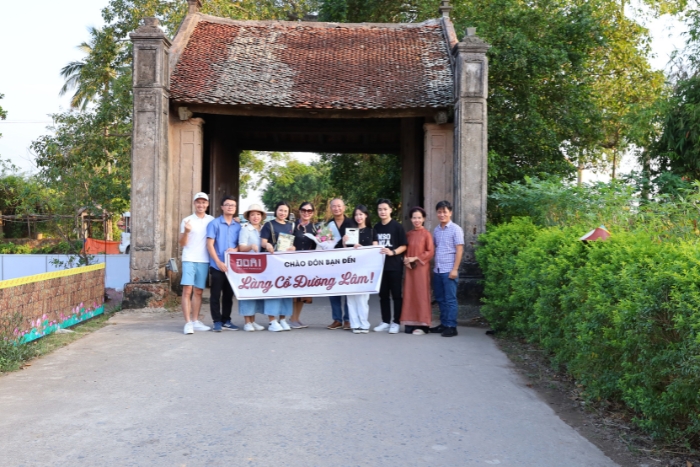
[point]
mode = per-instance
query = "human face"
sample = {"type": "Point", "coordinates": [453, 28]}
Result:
{"type": "Point", "coordinates": [282, 213]}
{"type": "Point", "coordinates": [337, 207]}
{"type": "Point", "coordinates": [384, 212]}
{"type": "Point", "coordinates": [228, 207]}
{"type": "Point", "coordinates": [444, 215]}
{"type": "Point", "coordinates": [254, 218]}
{"type": "Point", "coordinates": [201, 205]}
{"type": "Point", "coordinates": [417, 219]}
{"type": "Point", "coordinates": [306, 212]}
{"type": "Point", "coordinates": [360, 218]}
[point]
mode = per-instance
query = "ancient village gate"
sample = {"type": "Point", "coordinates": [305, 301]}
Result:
{"type": "Point", "coordinates": [223, 86]}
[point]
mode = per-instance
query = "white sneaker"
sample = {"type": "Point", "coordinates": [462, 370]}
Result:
{"type": "Point", "coordinates": [285, 325]}
{"type": "Point", "coordinates": [275, 327]}
{"type": "Point", "coordinates": [249, 327]}
{"type": "Point", "coordinates": [188, 328]}
{"type": "Point", "coordinates": [394, 329]}
{"type": "Point", "coordinates": [200, 326]}
{"type": "Point", "coordinates": [257, 326]}
{"type": "Point", "coordinates": [382, 327]}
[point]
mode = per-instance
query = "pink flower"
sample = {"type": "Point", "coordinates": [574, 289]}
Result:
{"type": "Point", "coordinates": [16, 331]}
{"type": "Point", "coordinates": [44, 317]}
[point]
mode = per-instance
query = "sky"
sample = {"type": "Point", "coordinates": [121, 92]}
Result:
{"type": "Point", "coordinates": [33, 53]}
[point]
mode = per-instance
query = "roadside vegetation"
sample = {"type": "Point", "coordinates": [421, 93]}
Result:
{"type": "Point", "coordinates": [621, 315]}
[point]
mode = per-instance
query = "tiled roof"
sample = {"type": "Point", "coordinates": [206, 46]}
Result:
{"type": "Point", "coordinates": [314, 65]}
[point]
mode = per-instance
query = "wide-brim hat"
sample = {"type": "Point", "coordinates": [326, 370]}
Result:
{"type": "Point", "coordinates": [254, 207]}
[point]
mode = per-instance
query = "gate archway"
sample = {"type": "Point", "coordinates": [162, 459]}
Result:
{"type": "Point", "coordinates": [222, 86]}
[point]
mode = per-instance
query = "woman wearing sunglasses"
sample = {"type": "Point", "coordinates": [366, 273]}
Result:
{"type": "Point", "coordinates": [303, 225]}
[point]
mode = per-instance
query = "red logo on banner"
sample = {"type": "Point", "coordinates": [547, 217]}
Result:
{"type": "Point", "coordinates": [248, 264]}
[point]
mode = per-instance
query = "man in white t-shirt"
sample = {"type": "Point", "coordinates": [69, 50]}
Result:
{"type": "Point", "coordinates": [195, 262]}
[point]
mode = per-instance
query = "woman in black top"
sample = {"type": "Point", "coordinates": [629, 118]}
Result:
{"type": "Point", "coordinates": [269, 235]}
{"type": "Point", "coordinates": [302, 226]}
{"type": "Point", "coordinates": [358, 305]}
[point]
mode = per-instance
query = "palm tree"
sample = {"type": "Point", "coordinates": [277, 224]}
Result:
{"type": "Point", "coordinates": [92, 77]}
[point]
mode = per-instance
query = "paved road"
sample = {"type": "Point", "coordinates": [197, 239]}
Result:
{"type": "Point", "coordinates": [139, 392]}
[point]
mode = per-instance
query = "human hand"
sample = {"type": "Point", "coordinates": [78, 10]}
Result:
{"type": "Point", "coordinates": [254, 248]}
{"type": "Point", "coordinates": [386, 251]}
{"type": "Point", "coordinates": [454, 274]}
{"type": "Point", "coordinates": [222, 267]}
{"type": "Point", "coordinates": [357, 245]}
{"type": "Point", "coordinates": [232, 250]}
{"type": "Point", "coordinates": [188, 226]}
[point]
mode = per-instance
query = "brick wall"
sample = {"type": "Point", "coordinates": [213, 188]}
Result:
{"type": "Point", "coordinates": [34, 306]}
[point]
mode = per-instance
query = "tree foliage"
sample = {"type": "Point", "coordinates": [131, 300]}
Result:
{"type": "Point", "coordinates": [296, 182]}
{"type": "Point", "coordinates": [92, 77]}
{"type": "Point", "coordinates": [564, 76]}
{"type": "Point", "coordinates": [364, 178]}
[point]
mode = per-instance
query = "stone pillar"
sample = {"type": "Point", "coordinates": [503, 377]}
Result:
{"type": "Point", "coordinates": [150, 248]}
{"type": "Point", "coordinates": [470, 148]}
{"type": "Point", "coordinates": [470, 162]}
{"type": "Point", "coordinates": [186, 144]}
{"type": "Point", "coordinates": [438, 168]}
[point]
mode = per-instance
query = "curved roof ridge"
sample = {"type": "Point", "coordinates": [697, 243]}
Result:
{"type": "Point", "coordinates": [314, 24]}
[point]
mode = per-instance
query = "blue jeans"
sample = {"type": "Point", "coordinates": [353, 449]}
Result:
{"type": "Point", "coordinates": [337, 308]}
{"type": "Point", "coordinates": [445, 290]}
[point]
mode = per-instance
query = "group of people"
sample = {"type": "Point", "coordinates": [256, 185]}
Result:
{"type": "Point", "coordinates": [406, 278]}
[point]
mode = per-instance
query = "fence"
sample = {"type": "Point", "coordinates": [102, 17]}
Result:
{"type": "Point", "coordinates": [14, 266]}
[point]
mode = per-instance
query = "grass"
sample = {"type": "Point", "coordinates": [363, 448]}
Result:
{"type": "Point", "coordinates": [17, 357]}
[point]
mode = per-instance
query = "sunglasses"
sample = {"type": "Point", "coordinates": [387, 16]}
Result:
{"type": "Point", "coordinates": [306, 210]}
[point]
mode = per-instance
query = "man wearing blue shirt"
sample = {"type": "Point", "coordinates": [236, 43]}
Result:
{"type": "Point", "coordinates": [222, 238]}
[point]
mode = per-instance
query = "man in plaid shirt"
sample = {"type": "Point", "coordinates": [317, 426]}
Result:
{"type": "Point", "coordinates": [449, 246]}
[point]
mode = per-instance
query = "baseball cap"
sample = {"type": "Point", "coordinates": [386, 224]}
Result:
{"type": "Point", "coordinates": [200, 195]}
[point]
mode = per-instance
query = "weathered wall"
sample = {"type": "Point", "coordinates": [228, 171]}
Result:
{"type": "Point", "coordinates": [185, 147]}
{"type": "Point", "coordinates": [34, 306]}
{"type": "Point", "coordinates": [439, 168]}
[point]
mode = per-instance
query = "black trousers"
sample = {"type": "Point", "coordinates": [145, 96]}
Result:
{"type": "Point", "coordinates": [219, 285]}
{"type": "Point", "coordinates": [391, 284]}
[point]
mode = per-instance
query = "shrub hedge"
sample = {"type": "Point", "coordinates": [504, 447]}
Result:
{"type": "Point", "coordinates": [622, 315]}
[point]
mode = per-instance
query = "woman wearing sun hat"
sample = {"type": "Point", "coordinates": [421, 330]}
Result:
{"type": "Point", "coordinates": [249, 240]}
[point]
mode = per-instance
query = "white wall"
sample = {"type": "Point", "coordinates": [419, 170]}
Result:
{"type": "Point", "coordinates": [14, 266]}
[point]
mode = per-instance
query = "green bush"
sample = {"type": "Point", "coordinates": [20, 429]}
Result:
{"type": "Point", "coordinates": [622, 315]}
{"type": "Point", "coordinates": [12, 249]}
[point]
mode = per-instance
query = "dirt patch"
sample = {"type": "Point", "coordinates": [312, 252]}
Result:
{"type": "Point", "coordinates": [605, 425]}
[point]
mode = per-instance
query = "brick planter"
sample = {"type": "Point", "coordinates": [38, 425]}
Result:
{"type": "Point", "coordinates": [34, 306]}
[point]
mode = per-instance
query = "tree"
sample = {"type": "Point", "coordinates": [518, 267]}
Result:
{"type": "Point", "coordinates": [93, 76]}
{"type": "Point", "coordinates": [559, 72]}
{"type": "Point", "coordinates": [364, 178]}
{"type": "Point", "coordinates": [296, 182]}
{"type": "Point", "coordinates": [253, 167]}
{"type": "Point", "coordinates": [678, 149]}
{"type": "Point", "coordinates": [87, 158]}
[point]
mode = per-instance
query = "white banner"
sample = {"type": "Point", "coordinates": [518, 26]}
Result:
{"type": "Point", "coordinates": [315, 273]}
